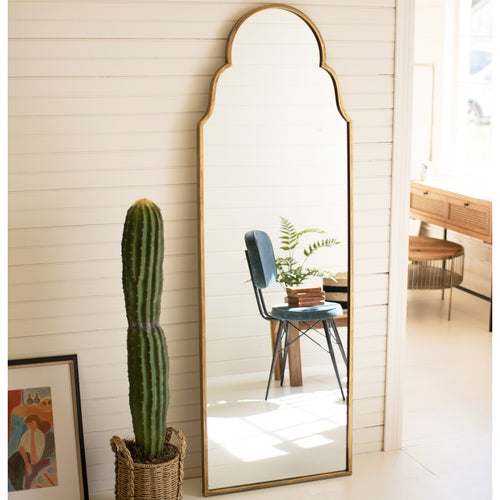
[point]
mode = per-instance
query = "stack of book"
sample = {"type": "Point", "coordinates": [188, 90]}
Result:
{"type": "Point", "coordinates": [303, 297]}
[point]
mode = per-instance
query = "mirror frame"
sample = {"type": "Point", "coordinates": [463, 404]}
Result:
{"type": "Point", "coordinates": [201, 264]}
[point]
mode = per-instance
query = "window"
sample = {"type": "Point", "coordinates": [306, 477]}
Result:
{"type": "Point", "coordinates": [467, 145]}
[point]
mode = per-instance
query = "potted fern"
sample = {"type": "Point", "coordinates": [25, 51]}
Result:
{"type": "Point", "coordinates": [292, 273]}
{"type": "Point", "coordinates": [149, 467]}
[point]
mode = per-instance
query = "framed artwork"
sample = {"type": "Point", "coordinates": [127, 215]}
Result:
{"type": "Point", "coordinates": [46, 456]}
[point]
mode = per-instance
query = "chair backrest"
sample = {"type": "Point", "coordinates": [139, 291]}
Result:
{"type": "Point", "coordinates": [261, 258]}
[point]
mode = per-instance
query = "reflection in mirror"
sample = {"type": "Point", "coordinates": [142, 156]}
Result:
{"type": "Point", "coordinates": [274, 143]}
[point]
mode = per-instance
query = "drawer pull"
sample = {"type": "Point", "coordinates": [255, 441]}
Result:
{"type": "Point", "coordinates": [426, 193]}
{"type": "Point", "coordinates": [466, 204]}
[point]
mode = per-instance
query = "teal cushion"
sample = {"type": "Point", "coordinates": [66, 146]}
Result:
{"type": "Point", "coordinates": [326, 311]}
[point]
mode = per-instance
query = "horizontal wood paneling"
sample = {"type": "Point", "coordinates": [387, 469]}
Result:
{"type": "Point", "coordinates": [104, 97]}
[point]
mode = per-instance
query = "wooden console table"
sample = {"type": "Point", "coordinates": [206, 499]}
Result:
{"type": "Point", "coordinates": [451, 210]}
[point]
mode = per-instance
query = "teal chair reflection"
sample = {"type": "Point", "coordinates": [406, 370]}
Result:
{"type": "Point", "coordinates": [263, 271]}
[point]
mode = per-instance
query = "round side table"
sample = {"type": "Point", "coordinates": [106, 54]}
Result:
{"type": "Point", "coordinates": [435, 264]}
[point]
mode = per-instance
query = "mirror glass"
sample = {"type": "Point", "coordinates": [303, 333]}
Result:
{"type": "Point", "coordinates": [273, 144]}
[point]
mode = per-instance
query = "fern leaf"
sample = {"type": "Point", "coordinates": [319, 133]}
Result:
{"type": "Point", "coordinates": [289, 238]}
{"type": "Point", "coordinates": [310, 230]}
{"type": "Point", "coordinates": [325, 243]}
{"type": "Point", "coordinates": [320, 273]}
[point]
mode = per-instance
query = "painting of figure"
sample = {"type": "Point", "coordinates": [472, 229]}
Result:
{"type": "Point", "coordinates": [32, 455]}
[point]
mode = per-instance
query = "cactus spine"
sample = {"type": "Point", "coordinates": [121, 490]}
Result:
{"type": "Point", "coordinates": [142, 277]}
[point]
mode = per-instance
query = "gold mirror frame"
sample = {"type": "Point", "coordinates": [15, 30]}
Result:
{"type": "Point", "coordinates": [202, 317]}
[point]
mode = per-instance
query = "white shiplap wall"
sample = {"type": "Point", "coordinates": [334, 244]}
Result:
{"type": "Point", "coordinates": [104, 97]}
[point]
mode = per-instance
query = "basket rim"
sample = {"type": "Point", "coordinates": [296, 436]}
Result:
{"type": "Point", "coordinates": [122, 452]}
{"type": "Point", "coordinates": [142, 465]}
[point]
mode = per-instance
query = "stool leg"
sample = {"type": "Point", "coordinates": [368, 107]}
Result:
{"type": "Point", "coordinates": [332, 355]}
{"type": "Point", "coordinates": [277, 346]}
{"type": "Point", "coordinates": [445, 237]}
{"type": "Point", "coordinates": [274, 335]}
{"type": "Point", "coordinates": [452, 270]}
{"type": "Point", "coordinates": [285, 350]}
{"type": "Point", "coordinates": [442, 279]}
{"type": "Point", "coordinates": [338, 340]}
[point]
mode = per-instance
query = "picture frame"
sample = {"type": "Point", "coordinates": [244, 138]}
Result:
{"type": "Point", "coordinates": [45, 432]}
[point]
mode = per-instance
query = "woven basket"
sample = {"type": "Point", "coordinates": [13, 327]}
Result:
{"type": "Point", "coordinates": [149, 481]}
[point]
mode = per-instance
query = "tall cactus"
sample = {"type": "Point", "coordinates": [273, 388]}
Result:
{"type": "Point", "coordinates": [148, 366]}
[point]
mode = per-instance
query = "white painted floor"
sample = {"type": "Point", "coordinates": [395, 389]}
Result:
{"type": "Point", "coordinates": [447, 424]}
{"type": "Point", "coordinates": [446, 452]}
{"type": "Point", "coordinates": [298, 431]}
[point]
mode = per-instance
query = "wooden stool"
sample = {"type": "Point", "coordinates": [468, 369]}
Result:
{"type": "Point", "coordinates": [435, 265]}
{"type": "Point", "coordinates": [294, 359]}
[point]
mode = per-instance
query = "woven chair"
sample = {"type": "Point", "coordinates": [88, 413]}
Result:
{"type": "Point", "coordinates": [263, 271]}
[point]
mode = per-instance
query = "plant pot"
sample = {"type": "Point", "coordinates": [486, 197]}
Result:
{"type": "Point", "coordinates": [337, 291]}
{"type": "Point", "coordinates": [161, 481]}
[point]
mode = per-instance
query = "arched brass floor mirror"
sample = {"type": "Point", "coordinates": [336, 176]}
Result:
{"type": "Point", "coordinates": [274, 142]}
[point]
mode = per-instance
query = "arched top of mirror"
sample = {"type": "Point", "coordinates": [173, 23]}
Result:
{"type": "Point", "coordinates": [280, 45]}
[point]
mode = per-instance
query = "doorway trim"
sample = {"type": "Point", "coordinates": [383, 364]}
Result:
{"type": "Point", "coordinates": [400, 202]}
